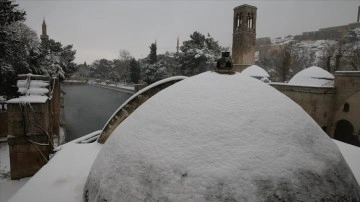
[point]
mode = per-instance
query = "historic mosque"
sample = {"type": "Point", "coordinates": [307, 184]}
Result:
{"type": "Point", "coordinates": [217, 137]}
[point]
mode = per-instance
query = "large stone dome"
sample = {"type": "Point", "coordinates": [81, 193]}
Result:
{"type": "Point", "coordinates": [255, 71]}
{"type": "Point", "coordinates": [313, 76]}
{"type": "Point", "coordinates": [216, 137]}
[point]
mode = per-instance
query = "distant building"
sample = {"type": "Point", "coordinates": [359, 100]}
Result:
{"type": "Point", "coordinates": [332, 101]}
{"type": "Point", "coordinates": [44, 35]}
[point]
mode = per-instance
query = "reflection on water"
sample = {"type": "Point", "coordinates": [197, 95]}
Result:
{"type": "Point", "coordinates": [88, 108]}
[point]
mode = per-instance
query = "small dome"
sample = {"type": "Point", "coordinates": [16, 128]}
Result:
{"type": "Point", "coordinates": [255, 71]}
{"type": "Point", "coordinates": [215, 137]}
{"type": "Point", "coordinates": [313, 76]}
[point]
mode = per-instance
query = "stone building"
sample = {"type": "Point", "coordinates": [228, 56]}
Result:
{"type": "Point", "coordinates": [244, 36]}
{"type": "Point", "coordinates": [33, 123]}
{"type": "Point", "coordinates": [333, 103]}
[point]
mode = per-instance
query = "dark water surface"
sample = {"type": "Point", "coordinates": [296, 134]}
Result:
{"type": "Point", "coordinates": [88, 108]}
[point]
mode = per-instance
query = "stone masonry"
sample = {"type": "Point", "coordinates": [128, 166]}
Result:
{"type": "Point", "coordinates": [244, 36]}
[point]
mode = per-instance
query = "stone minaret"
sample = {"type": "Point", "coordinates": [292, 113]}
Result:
{"type": "Point", "coordinates": [244, 37]}
{"type": "Point", "coordinates": [177, 45]}
{"type": "Point", "coordinates": [44, 35]}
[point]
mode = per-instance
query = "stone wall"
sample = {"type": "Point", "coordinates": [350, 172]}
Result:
{"type": "Point", "coordinates": [266, 51]}
{"type": "Point", "coordinates": [347, 92]}
{"type": "Point", "coordinates": [54, 108]}
{"type": "Point", "coordinates": [34, 124]}
{"type": "Point", "coordinates": [26, 159]}
{"type": "Point", "coordinates": [27, 126]}
{"type": "Point", "coordinates": [347, 84]}
{"type": "Point", "coordinates": [329, 33]}
{"type": "Point", "coordinates": [318, 102]}
{"type": "Point", "coordinates": [3, 124]}
{"type": "Point", "coordinates": [31, 129]}
{"type": "Point", "coordinates": [352, 114]}
{"type": "Point", "coordinates": [263, 41]}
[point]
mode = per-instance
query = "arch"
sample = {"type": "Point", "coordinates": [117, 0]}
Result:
{"type": "Point", "coordinates": [252, 20]}
{"type": "Point", "coordinates": [238, 21]}
{"type": "Point", "coordinates": [133, 103]}
{"type": "Point", "coordinates": [346, 107]}
{"type": "Point", "coordinates": [344, 132]}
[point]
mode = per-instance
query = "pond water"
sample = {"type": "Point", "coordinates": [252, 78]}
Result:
{"type": "Point", "coordinates": [88, 108]}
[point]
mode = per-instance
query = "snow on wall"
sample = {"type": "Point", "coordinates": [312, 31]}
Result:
{"type": "Point", "coordinates": [33, 91]}
{"type": "Point", "coordinates": [30, 99]}
{"type": "Point", "coordinates": [214, 137]}
{"type": "Point", "coordinates": [313, 76]}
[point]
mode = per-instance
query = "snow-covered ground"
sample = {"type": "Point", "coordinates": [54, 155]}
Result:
{"type": "Point", "coordinates": [117, 85]}
{"type": "Point", "coordinates": [4, 162]}
{"type": "Point", "coordinates": [7, 187]}
{"type": "Point", "coordinates": [352, 156]}
{"type": "Point", "coordinates": [61, 179]}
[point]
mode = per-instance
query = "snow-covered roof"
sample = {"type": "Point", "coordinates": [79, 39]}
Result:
{"type": "Point", "coordinates": [314, 77]}
{"type": "Point", "coordinates": [29, 99]}
{"type": "Point", "coordinates": [63, 177]}
{"type": "Point", "coordinates": [351, 154]}
{"type": "Point", "coordinates": [255, 71]}
{"type": "Point", "coordinates": [215, 137]}
{"type": "Point", "coordinates": [33, 91]}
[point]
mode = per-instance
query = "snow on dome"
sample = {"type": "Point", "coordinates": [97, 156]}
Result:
{"type": "Point", "coordinates": [215, 137]}
{"type": "Point", "coordinates": [313, 76]}
{"type": "Point", "coordinates": [255, 71]}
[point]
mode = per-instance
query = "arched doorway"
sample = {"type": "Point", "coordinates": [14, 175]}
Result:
{"type": "Point", "coordinates": [344, 132]}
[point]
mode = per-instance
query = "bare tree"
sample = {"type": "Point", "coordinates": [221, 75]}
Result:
{"type": "Point", "coordinates": [125, 55]}
{"type": "Point", "coordinates": [352, 56]}
{"type": "Point", "coordinates": [328, 53]}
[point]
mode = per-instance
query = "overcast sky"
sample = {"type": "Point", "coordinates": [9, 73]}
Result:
{"type": "Point", "coordinates": [99, 29]}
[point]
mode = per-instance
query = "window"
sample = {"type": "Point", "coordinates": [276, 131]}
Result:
{"type": "Point", "coordinates": [346, 107]}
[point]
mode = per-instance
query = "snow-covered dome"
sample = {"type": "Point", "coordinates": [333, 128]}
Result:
{"type": "Point", "coordinates": [255, 71]}
{"type": "Point", "coordinates": [215, 137]}
{"type": "Point", "coordinates": [313, 76]}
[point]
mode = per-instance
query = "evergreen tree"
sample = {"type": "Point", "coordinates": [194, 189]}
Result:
{"type": "Point", "coordinates": [134, 71]}
{"type": "Point", "coordinates": [9, 14]}
{"type": "Point", "coordinates": [103, 69]}
{"type": "Point", "coordinates": [152, 55]}
{"type": "Point", "coordinates": [199, 54]}
{"type": "Point", "coordinates": [56, 59]}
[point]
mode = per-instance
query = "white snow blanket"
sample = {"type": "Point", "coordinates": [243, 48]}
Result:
{"type": "Point", "coordinates": [63, 177]}
{"type": "Point", "coordinates": [255, 71]}
{"type": "Point", "coordinates": [313, 77]}
{"type": "Point", "coordinates": [217, 137]}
